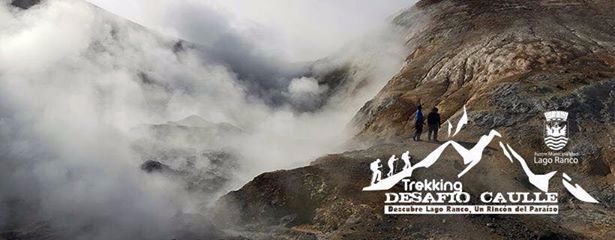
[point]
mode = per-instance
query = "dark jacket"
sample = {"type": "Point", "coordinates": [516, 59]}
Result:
{"type": "Point", "coordinates": [419, 119]}
{"type": "Point", "coordinates": [433, 118]}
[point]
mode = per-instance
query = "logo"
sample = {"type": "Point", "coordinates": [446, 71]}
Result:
{"type": "Point", "coordinates": [556, 138]}
{"type": "Point", "coordinates": [437, 196]}
{"type": "Point", "coordinates": [556, 126]}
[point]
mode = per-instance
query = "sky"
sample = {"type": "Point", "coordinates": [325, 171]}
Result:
{"type": "Point", "coordinates": [296, 30]}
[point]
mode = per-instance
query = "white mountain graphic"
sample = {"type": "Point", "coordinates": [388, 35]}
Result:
{"type": "Point", "coordinates": [471, 157]}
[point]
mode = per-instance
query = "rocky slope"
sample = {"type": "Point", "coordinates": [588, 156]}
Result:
{"type": "Point", "coordinates": [507, 62]}
{"type": "Point", "coordinates": [322, 201]}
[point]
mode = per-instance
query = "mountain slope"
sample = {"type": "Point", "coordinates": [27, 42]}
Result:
{"type": "Point", "coordinates": [325, 200]}
{"type": "Point", "coordinates": [508, 62]}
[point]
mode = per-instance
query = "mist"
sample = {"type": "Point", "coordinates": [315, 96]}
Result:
{"type": "Point", "coordinates": [81, 89]}
{"type": "Point", "coordinates": [295, 31]}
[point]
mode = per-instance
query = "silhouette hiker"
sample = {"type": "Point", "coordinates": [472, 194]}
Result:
{"type": "Point", "coordinates": [391, 164]}
{"type": "Point", "coordinates": [433, 121]}
{"type": "Point", "coordinates": [406, 157]}
{"type": "Point", "coordinates": [419, 120]}
{"type": "Point", "coordinates": [376, 173]}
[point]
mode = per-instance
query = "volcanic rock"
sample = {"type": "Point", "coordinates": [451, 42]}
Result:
{"type": "Point", "coordinates": [24, 4]}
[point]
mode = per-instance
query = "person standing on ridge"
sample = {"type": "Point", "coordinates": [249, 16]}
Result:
{"type": "Point", "coordinates": [433, 121]}
{"type": "Point", "coordinates": [419, 120]}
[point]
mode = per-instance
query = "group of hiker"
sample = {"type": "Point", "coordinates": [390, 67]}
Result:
{"type": "Point", "coordinates": [375, 166]}
{"type": "Point", "coordinates": [433, 123]}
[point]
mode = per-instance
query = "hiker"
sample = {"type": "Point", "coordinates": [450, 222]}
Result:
{"type": "Point", "coordinates": [433, 122]}
{"type": "Point", "coordinates": [376, 173]}
{"type": "Point", "coordinates": [406, 157]}
{"type": "Point", "coordinates": [419, 121]}
{"type": "Point", "coordinates": [391, 164]}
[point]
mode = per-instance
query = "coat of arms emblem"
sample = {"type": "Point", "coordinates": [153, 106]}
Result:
{"type": "Point", "coordinates": [556, 136]}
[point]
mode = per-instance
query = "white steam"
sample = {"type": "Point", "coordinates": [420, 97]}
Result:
{"type": "Point", "coordinates": [297, 30]}
{"type": "Point", "coordinates": [75, 82]}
